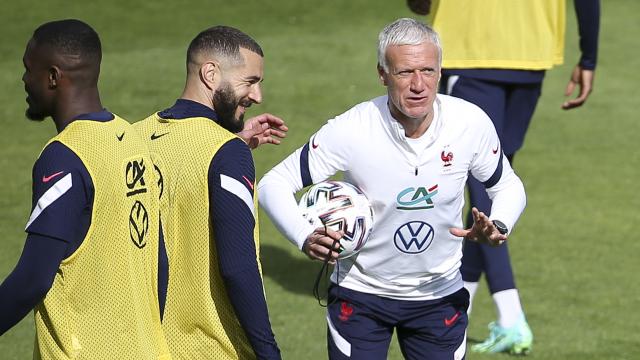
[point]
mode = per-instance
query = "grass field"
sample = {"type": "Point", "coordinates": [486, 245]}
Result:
{"type": "Point", "coordinates": [574, 251]}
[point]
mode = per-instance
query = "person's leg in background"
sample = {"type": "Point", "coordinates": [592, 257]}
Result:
{"type": "Point", "coordinates": [510, 107]}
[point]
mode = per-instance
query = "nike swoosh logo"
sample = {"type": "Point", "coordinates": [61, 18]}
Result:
{"type": "Point", "coordinates": [248, 182]}
{"type": "Point", "coordinates": [313, 143]}
{"type": "Point", "coordinates": [451, 320]}
{"type": "Point", "coordinates": [155, 136]}
{"type": "Point", "coordinates": [496, 150]}
{"type": "Point", "coordinates": [120, 137]}
{"type": "Point", "coordinates": [46, 179]}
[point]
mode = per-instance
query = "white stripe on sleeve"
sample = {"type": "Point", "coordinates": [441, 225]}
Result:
{"type": "Point", "coordinates": [238, 189]}
{"type": "Point", "coordinates": [49, 197]}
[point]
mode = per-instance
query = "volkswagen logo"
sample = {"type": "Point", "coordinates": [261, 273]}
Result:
{"type": "Point", "coordinates": [413, 237]}
{"type": "Point", "coordinates": [138, 224]}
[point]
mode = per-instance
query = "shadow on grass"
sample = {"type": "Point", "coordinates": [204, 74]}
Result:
{"type": "Point", "coordinates": [296, 274]}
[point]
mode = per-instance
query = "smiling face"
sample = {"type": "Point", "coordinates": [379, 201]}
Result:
{"type": "Point", "coordinates": [412, 80]}
{"type": "Point", "coordinates": [239, 89]}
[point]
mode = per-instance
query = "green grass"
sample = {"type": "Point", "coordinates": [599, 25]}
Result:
{"type": "Point", "coordinates": [574, 250]}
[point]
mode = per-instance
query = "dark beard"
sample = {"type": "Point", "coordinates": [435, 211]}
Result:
{"type": "Point", "coordinates": [225, 104]}
{"type": "Point", "coordinates": [33, 115]}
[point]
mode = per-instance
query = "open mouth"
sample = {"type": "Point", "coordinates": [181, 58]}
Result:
{"type": "Point", "coordinates": [242, 107]}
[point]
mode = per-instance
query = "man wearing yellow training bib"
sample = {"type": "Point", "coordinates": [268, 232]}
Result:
{"type": "Point", "coordinates": [216, 306]}
{"type": "Point", "coordinates": [89, 266]}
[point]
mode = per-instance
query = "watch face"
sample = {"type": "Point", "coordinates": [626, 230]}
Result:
{"type": "Point", "coordinates": [502, 228]}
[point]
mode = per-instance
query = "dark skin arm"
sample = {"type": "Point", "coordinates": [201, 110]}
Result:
{"type": "Point", "coordinates": [582, 76]}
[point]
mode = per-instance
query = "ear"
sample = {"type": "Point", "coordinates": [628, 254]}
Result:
{"type": "Point", "coordinates": [54, 76]}
{"type": "Point", "coordinates": [381, 75]}
{"type": "Point", "coordinates": [210, 74]}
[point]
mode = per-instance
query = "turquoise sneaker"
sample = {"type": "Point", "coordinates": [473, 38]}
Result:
{"type": "Point", "coordinates": [516, 340]}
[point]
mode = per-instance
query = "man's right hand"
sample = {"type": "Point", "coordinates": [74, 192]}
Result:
{"type": "Point", "coordinates": [322, 243]}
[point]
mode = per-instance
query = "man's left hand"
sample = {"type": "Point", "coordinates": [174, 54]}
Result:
{"type": "Point", "coordinates": [583, 80]}
{"type": "Point", "coordinates": [263, 129]}
{"type": "Point", "coordinates": [482, 231]}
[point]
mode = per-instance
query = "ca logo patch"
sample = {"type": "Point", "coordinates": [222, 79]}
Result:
{"type": "Point", "coordinates": [416, 199]}
{"type": "Point", "coordinates": [138, 224]}
{"type": "Point", "coordinates": [413, 237]}
{"type": "Point", "coordinates": [134, 177]}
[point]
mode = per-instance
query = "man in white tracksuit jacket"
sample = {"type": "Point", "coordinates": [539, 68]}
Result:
{"type": "Point", "coordinates": [410, 152]}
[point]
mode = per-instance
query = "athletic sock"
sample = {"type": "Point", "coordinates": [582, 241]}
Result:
{"type": "Point", "coordinates": [508, 306]}
{"type": "Point", "coordinates": [471, 287]}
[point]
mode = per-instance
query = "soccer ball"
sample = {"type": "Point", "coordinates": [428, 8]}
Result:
{"type": "Point", "coordinates": [339, 205]}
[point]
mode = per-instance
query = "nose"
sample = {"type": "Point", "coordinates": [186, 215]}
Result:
{"type": "Point", "coordinates": [417, 82]}
{"type": "Point", "coordinates": [256, 93]}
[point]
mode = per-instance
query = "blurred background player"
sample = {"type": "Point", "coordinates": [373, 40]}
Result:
{"type": "Point", "coordinates": [90, 273]}
{"type": "Point", "coordinates": [496, 55]}
{"type": "Point", "coordinates": [216, 307]}
{"type": "Point", "coordinates": [394, 148]}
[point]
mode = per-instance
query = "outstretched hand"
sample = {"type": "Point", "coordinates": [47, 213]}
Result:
{"type": "Point", "coordinates": [263, 129]}
{"type": "Point", "coordinates": [482, 231]}
{"type": "Point", "coordinates": [321, 243]}
{"type": "Point", "coordinates": [583, 79]}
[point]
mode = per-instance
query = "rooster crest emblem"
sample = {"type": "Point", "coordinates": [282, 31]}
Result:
{"type": "Point", "coordinates": [446, 158]}
{"type": "Point", "coordinates": [346, 310]}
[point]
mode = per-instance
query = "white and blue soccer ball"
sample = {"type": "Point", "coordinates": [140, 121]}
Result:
{"type": "Point", "coordinates": [339, 205]}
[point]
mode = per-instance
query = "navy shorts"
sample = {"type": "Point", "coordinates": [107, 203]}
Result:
{"type": "Point", "coordinates": [360, 326]}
